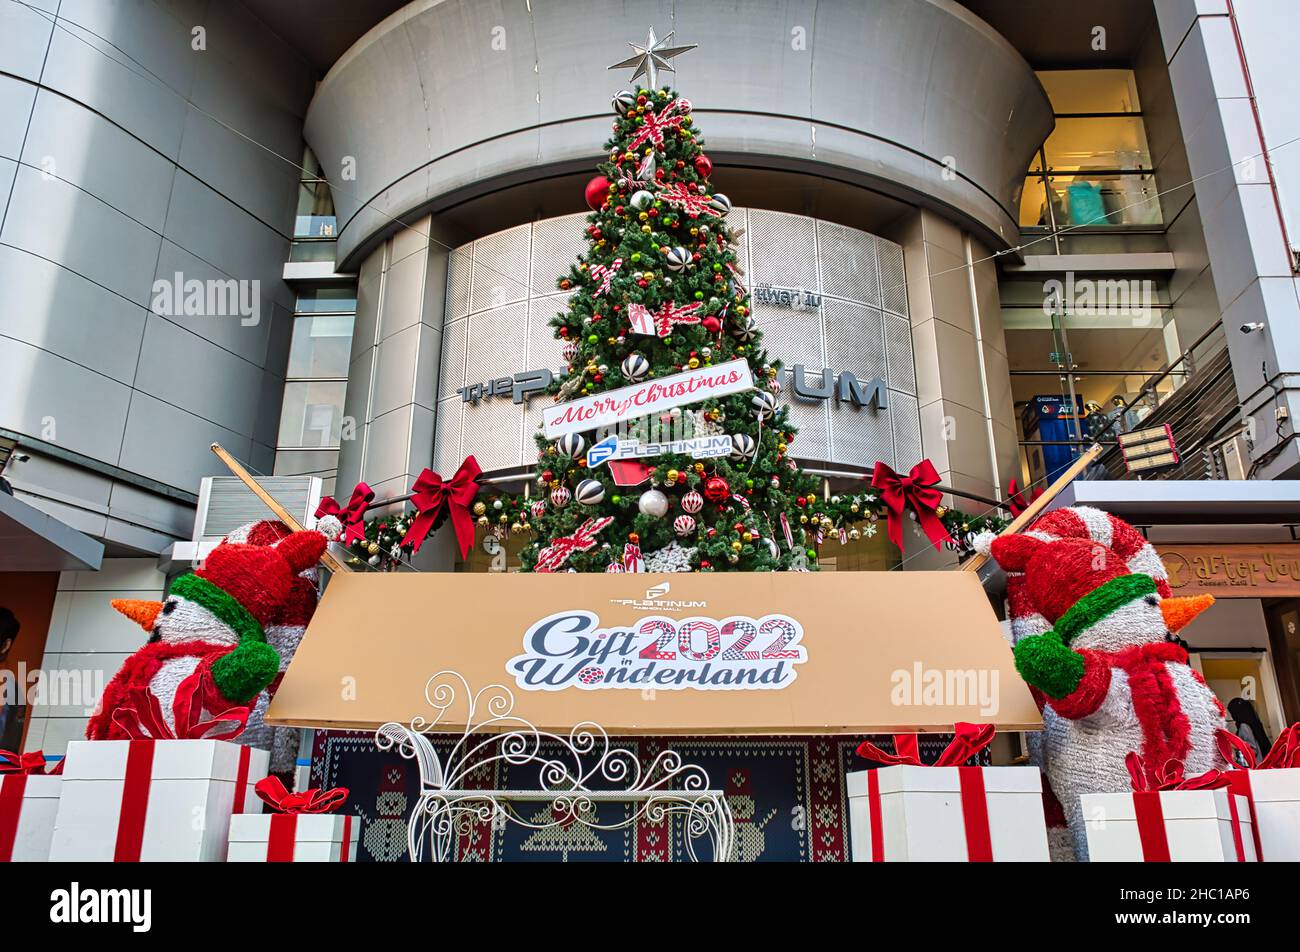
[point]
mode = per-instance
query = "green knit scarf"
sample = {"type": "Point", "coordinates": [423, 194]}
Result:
{"type": "Point", "coordinates": [1101, 601]}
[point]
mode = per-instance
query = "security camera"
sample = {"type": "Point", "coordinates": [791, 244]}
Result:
{"type": "Point", "coordinates": [20, 457]}
{"type": "Point", "coordinates": [1250, 327]}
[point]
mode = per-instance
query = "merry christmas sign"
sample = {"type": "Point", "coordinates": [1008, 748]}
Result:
{"type": "Point", "coordinates": [644, 653]}
{"type": "Point", "coordinates": [651, 396]}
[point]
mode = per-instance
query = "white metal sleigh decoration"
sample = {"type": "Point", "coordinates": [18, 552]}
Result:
{"type": "Point", "coordinates": [664, 788]}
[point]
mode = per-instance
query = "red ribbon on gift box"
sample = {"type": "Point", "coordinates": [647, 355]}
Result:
{"type": "Point", "coordinates": [1147, 785]}
{"type": "Point", "coordinates": [1284, 754]}
{"type": "Point", "coordinates": [288, 807]}
{"type": "Point", "coordinates": [141, 717]}
{"type": "Point", "coordinates": [15, 768]}
{"type": "Point", "coordinates": [968, 740]}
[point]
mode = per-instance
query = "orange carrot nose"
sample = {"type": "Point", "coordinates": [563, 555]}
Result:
{"type": "Point", "coordinates": [143, 613]}
{"type": "Point", "coordinates": [1179, 611]}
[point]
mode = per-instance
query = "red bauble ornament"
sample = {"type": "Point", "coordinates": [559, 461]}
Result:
{"type": "Point", "coordinates": [703, 165]}
{"type": "Point", "coordinates": [711, 324]}
{"type": "Point", "coordinates": [597, 192]}
{"type": "Point", "coordinates": [716, 489]}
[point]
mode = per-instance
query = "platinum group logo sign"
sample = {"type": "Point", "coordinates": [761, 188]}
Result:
{"type": "Point", "coordinates": [570, 649]}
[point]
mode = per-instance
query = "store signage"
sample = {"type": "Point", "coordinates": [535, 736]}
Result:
{"type": "Point", "coordinates": [844, 386]}
{"type": "Point", "coordinates": [570, 649]}
{"type": "Point", "coordinates": [795, 298]}
{"type": "Point", "coordinates": [519, 387]}
{"type": "Point", "coordinates": [725, 653]}
{"type": "Point", "coordinates": [700, 447]}
{"type": "Point", "coordinates": [1233, 571]}
{"type": "Point", "coordinates": [649, 396]}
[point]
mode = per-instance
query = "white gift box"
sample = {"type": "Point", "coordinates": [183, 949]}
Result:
{"type": "Point", "coordinates": [166, 800]}
{"type": "Point", "coordinates": [1191, 826]}
{"type": "Point", "coordinates": [315, 837]}
{"type": "Point", "coordinates": [921, 815]}
{"type": "Point", "coordinates": [28, 804]}
{"type": "Point", "coordinates": [1276, 795]}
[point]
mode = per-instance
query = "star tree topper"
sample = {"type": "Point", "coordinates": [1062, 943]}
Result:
{"type": "Point", "coordinates": [652, 57]}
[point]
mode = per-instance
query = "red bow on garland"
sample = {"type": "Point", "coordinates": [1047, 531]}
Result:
{"type": "Point", "coordinates": [30, 763]}
{"type": "Point", "coordinates": [558, 552]}
{"type": "Point", "coordinates": [968, 740]}
{"type": "Point", "coordinates": [1169, 777]}
{"type": "Point", "coordinates": [435, 497]}
{"type": "Point", "coordinates": [1017, 500]}
{"type": "Point", "coordinates": [915, 491]}
{"type": "Point", "coordinates": [141, 717]}
{"type": "Point", "coordinates": [315, 800]}
{"type": "Point", "coordinates": [1284, 753]}
{"type": "Point", "coordinates": [353, 515]}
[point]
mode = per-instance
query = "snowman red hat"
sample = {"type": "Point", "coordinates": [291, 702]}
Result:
{"type": "Point", "coordinates": [214, 618]}
{"type": "Point", "coordinates": [1092, 619]}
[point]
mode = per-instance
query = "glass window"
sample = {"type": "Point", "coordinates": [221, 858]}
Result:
{"type": "Point", "coordinates": [1033, 204]}
{"type": "Point", "coordinates": [1097, 142]}
{"type": "Point", "coordinates": [315, 217]}
{"type": "Point", "coordinates": [312, 413]}
{"type": "Point", "coordinates": [1090, 90]}
{"type": "Point", "coordinates": [1104, 200]}
{"type": "Point", "coordinates": [321, 346]}
{"type": "Point", "coordinates": [327, 300]}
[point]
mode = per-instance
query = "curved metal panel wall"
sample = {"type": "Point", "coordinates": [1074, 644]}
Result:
{"type": "Point", "coordinates": [115, 171]}
{"type": "Point", "coordinates": [501, 296]}
{"type": "Point", "coordinates": [447, 98]}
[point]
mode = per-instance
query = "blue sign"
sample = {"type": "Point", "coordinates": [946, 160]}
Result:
{"type": "Point", "coordinates": [602, 451]}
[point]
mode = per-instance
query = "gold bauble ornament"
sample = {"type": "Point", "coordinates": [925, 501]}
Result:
{"type": "Point", "coordinates": [504, 519]}
{"type": "Point", "coordinates": [373, 548]}
{"type": "Point", "coordinates": [735, 546]}
{"type": "Point", "coordinates": [482, 520]}
{"type": "Point", "coordinates": [479, 508]}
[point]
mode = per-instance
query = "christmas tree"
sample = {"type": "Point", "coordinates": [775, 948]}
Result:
{"type": "Point", "coordinates": [659, 292]}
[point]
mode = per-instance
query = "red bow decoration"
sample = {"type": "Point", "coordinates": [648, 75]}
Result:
{"type": "Point", "coordinates": [1017, 500]}
{"type": "Point", "coordinates": [558, 552]}
{"type": "Point", "coordinates": [692, 203]}
{"type": "Point", "coordinates": [1169, 777]}
{"type": "Point", "coordinates": [435, 497]}
{"type": "Point", "coordinates": [315, 800]}
{"type": "Point", "coordinates": [915, 491]}
{"type": "Point", "coordinates": [1284, 753]}
{"type": "Point", "coordinates": [968, 740]}
{"type": "Point", "coordinates": [655, 124]}
{"type": "Point", "coordinates": [141, 716]}
{"type": "Point", "coordinates": [352, 515]}
{"type": "Point", "coordinates": [30, 763]}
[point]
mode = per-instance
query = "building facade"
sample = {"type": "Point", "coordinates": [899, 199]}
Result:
{"type": "Point", "coordinates": [314, 236]}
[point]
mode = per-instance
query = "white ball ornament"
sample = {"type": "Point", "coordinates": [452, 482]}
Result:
{"type": "Point", "coordinates": [692, 502]}
{"type": "Point", "coordinates": [764, 405]}
{"type": "Point", "coordinates": [641, 200]}
{"type": "Point", "coordinates": [677, 258]}
{"type": "Point", "coordinates": [589, 492]}
{"type": "Point", "coordinates": [684, 525]}
{"type": "Point", "coordinates": [742, 446]}
{"type": "Point", "coordinates": [623, 101]}
{"type": "Point", "coordinates": [560, 497]}
{"type": "Point", "coordinates": [635, 367]}
{"type": "Point", "coordinates": [571, 445]}
{"type": "Point", "coordinates": [653, 503]}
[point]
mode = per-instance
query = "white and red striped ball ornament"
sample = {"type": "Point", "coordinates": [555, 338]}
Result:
{"type": "Point", "coordinates": [684, 525]}
{"type": "Point", "coordinates": [538, 508]}
{"type": "Point", "coordinates": [615, 568]}
{"type": "Point", "coordinates": [569, 350]}
{"type": "Point", "coordinates": [589, 492]}
{"type": "Point", "coordinates": [560, 497]}
{"type": "Point", "coordinates": [692, 501]}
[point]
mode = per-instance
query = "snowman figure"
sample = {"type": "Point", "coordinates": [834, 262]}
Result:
{"type": "Point", "coordinates": [212, 620]}
{"type": "Point", "coordinates": [751, 840]}
{"type": "Point", "coordinates": [1093, 622]}
{"type": "Point", "coordinates": [385, 836]}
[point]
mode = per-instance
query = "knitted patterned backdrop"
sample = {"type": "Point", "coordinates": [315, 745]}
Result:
{"type": "Point", "coordinates": [786, 794]}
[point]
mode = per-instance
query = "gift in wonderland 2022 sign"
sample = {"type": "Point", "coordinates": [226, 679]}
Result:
{"type": "Point", "coordinates": [570, 649]}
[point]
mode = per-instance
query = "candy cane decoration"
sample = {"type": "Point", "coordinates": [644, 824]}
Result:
{"type": "Point", "coordinates": [604, 276]}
